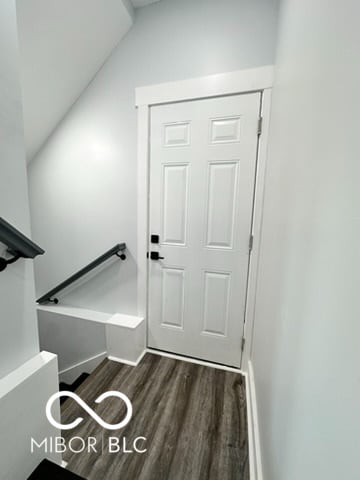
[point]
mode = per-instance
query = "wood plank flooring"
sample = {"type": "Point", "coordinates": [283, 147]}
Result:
{"type": "Point", "coordinates": [193, 417]}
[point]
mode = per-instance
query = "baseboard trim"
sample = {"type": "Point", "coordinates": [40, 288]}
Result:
{"type": "Point", "coordinates": [194, 360]}
{"type": "Point", "coordinates": [68, 375]}
{"type": "Point", "coordinates": [256, 472]}
{"type": "Point", "coordinates": [127, 362]}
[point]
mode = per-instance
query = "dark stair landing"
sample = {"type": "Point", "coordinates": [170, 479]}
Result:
{"type": "Point", "coordinates": [71, 388]}
{"type": "Point", "coordinates": [50, 471]}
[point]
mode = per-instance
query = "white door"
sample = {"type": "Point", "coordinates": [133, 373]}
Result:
{"type": "Point", "coordinates": [202, 174]}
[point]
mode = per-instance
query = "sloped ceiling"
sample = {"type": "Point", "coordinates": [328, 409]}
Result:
{"type": "Point", "coordinates": [143, 3]}
{"type": "Point", "coordinates": [62, 46]}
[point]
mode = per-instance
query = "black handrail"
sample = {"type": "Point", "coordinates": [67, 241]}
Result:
{"type": "Point", "coordinates": [120, 247]}
{"type": "Point", "coordinates": [18, 245]}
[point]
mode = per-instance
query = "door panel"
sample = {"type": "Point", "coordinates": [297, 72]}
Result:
{"type": "Point", "coordinates": [174, 204]}
{"type": "Point", "coordinates": [172, 313]}
{"type": "Point", "coordinates": [221, 204]}
{"type": "Point", "coordinates": [216, 303]}
{"type": "Point", "coordinates": [202, 173]}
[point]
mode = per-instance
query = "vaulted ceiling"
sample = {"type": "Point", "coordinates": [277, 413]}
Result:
{"type": "Point", "coordinates": [62, 46]}
{"type": "Point", "coordinates": [142, 3]}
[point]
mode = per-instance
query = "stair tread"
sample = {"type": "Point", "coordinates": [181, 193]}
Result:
{"type": "Point", "coordinates": [48, 470]}
{"type": "Point", "coordinates": [76, 384]}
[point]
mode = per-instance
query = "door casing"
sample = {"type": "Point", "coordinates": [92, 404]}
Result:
{"type": "Point", "coordinates": [243, 81]}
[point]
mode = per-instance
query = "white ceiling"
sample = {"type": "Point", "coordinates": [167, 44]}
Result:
{"type": "Point", "coordinates": [142, 3]}
{"type": "Point", "coordinates": [62, 45]}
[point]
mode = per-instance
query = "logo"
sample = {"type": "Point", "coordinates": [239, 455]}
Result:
{"type": "Point", "coordinates": [89, 410]}
{"type": "Point", "coordinates": [116, 445]}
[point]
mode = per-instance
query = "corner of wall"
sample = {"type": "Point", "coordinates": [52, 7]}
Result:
{"type": "Point", "coordinates": [130, 9]}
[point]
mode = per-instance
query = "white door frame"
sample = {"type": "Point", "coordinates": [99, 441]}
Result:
{"type": "Point", "coordinates": [242, 81]}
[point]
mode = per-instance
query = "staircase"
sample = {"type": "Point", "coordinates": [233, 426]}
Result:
{"type": "Point", "coordinates": [73, 386]}
{"type": "Point", "coordinates": [48, 470]}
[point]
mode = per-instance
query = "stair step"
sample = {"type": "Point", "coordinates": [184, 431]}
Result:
{"type": "Point", "coordinates": [71, 388]}
{"type": "Point", "coordinates": [48, 470]}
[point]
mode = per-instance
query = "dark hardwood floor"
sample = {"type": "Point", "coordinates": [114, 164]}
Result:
{"type": "Point", "coordinates": [193, 417]}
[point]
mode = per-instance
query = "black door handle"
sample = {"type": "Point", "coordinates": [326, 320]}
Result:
{"type": "Point", "coordinates": [156, 256]}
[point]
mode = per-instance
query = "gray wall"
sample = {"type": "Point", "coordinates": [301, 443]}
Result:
{"type": "Point", "coordinates": [18, 326]}
{"type": "Point", "coordinates": [83, 182]}
{"type": "Point", "coordinates": [306, 352]}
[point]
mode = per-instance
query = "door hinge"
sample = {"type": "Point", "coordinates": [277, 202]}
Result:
{"type": "Point", "coordinates": [260, 123]}
{"type": "Point", "coordinates": [251, 242]}
{"type": "Point", "coordinates": [242, 344]}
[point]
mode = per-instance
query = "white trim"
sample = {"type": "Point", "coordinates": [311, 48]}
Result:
{"type": "Point", "coordinates": [252, 468]}
{"type": "Point", "coordinates": [25, 371]}
{"type": "Point", "coordinates": [241, 81]}
{"type": "Point", "coordinates": [143, 208]}
{"type": "Point", "coordinates": [76, 312]}
{"type": "Point", "coordinates": [256, 228]}
{"type": "Point", "coordinates": [70, 374]}
{"type": "Point", "coordinates": [195, 361]}
{"type": "Point", "coordinates": [127, 362]}
{"type": "Point", "coordinates": [125, 321]}
{"type": "Point", "coordinates": [256, 472]}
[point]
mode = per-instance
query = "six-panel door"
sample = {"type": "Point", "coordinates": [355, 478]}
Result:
{"type": "Point", "coordinates": [202, 174]}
